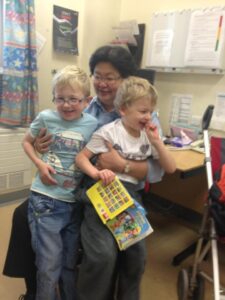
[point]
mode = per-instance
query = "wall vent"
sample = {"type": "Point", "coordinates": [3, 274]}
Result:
{"type": "Point", "coordinates": [15, 166]}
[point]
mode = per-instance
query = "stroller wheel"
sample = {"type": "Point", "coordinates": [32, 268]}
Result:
{"type": "Point", "coordinates": [183, 285]}
{"type": "Point", "coordinates": [199, 291]}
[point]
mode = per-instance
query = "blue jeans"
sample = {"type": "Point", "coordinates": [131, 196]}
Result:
{"type": "Point", "coordinates": [55, 230]}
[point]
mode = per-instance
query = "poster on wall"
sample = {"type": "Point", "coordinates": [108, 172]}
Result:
{"type": "Point", "coordinates": [65, 27]}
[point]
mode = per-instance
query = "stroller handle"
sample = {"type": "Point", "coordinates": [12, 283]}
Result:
{"type": "Point", "coordinates": [207, 117]}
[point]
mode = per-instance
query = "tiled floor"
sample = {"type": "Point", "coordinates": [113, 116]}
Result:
{"type": "Point", "coordinates": [169, 238]}
{"type": "Point", "coordinates": [159, 281]}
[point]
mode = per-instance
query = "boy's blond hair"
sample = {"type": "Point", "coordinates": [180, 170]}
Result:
{"type": "Point", "coordinates": [132, 89]}
{"type": "Point", "coordinates": [74, 77]}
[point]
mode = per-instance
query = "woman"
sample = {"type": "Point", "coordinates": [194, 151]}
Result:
{"type": "Point", "coordinates": [99, 270]}
{"type": "Point", "coordinates": [102, 263]}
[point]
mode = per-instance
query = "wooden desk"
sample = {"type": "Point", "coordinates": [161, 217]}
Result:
{"type": "Point", "coordinates": [188, 185]}
{"type": "Point", "coordinates": [187, 160]}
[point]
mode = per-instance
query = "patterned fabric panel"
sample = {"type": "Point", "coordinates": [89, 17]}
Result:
{"type": "Point", "coordinates": [19, 101]}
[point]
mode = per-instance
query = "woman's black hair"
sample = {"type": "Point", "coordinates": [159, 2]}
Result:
{"type": "Point", "coordinates": [117, 56]}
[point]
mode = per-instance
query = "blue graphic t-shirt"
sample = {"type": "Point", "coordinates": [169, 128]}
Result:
{"type": "Point", "coordinates": [69, 138]}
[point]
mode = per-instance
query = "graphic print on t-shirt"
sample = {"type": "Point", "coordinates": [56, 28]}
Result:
{"type": "Point", "coordinates": [61, 157]}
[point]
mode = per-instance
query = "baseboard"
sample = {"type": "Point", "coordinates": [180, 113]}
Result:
{"type": "Point", "coordinates": [16, 195]}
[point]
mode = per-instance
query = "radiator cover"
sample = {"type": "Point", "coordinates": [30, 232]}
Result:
{"type": "Point", "coordinates": [15, 166]}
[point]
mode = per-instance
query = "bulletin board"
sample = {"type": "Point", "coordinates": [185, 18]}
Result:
{"type": "Point", "coordinates": [187, 39]}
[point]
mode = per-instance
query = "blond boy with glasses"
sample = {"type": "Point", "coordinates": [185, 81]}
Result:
{"type": "Point", "coordinates": [53, 214]}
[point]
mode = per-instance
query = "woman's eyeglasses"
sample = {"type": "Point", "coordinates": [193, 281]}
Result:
{"type": "Point", "coordinates": [108, 80]}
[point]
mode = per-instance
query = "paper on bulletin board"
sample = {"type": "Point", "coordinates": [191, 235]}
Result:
{"type": "Point", "coordinates": [180, 112]}
{"type": "Point", "coordinates": [167, 39]}
{"type": "Point", "coordinates": [161, 48]}
{"type": "Point", "coordinates": [218, 118]}
{"type": "Point", "coordinates": [205, 40]}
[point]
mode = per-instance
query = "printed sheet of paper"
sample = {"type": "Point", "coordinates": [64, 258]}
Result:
{"type": "Point", "coordinates": [218, 118]}
{"type": "Point", "coordinates": [180, 109]}
{"type": "Point", "coordinates": [205, 38]}
{"type": "Point", "coordinates": [125, 32]}
{"type": "Point", "coordinates": [161, 47]}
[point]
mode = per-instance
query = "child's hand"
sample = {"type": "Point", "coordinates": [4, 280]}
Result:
{"type": "Point", "coordinates": [107, 176]}
{"type": "Point", "coordinates": [152, 132]}
{"type": "Point", "coordinates": [45, 172]}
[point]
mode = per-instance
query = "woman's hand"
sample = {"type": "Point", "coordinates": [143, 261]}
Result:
{"type": "Point", "coordinates": [42, 141]}
{"type": "Point", "coordinates": [111, 160]}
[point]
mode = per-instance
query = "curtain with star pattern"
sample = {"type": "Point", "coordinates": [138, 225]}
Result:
{"type": "Point", "coordinates": [19, 99]}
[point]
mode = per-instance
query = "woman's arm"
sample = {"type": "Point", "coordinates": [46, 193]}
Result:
{"type": "Point", "coordinates": [28, 146]}
{"type": "Point", "coordinates": [45, 170]}
{"type": "Point", "coordinates": [83, 162]}
{"type": "Point", "coordinates": [113, 161]}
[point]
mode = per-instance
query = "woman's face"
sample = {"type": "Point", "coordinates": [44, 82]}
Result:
{"type": "Point", "coordinates": [106, 80]}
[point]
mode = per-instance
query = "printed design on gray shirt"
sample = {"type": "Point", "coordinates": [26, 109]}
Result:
{"type": "Point", "coordinates": [117, 147]}
{"type": "Point", "coordinates": [144, 148]}
{"type": "Point", "coordinates": [137, 156]}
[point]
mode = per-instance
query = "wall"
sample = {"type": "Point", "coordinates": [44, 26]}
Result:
{"type": "Point", "coordinates": [96, 18]}
{"type": "Point", "coordinates": [204, 88]}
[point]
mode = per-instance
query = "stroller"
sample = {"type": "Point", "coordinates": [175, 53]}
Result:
{"type": "Point", "coordinates": [191, 281]}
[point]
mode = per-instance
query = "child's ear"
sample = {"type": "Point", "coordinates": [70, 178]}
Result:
{"type": "Point", "coordinates": [122, 110]}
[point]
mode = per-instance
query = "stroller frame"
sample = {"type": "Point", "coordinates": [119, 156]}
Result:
{"type": "Point", "coordinates": [190, 284]}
